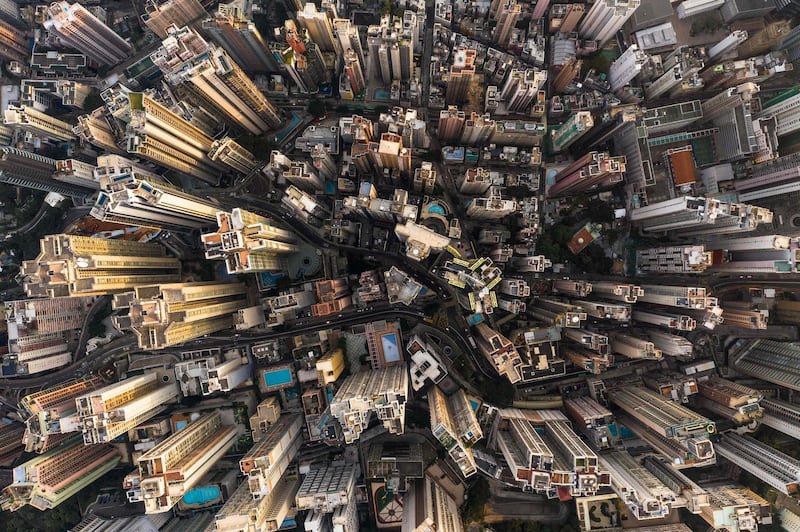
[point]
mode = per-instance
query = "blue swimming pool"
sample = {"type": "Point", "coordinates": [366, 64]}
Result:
{"type": "Point", "coordinates": [201, 496]}
{"type": "Point", "coordinates": [390, 351]}
{"type": "Point", "coordinates": [278, 377]}
{"type": "Point", "coordinates": [436, 209]}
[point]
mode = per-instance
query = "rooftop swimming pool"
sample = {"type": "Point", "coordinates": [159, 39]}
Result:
{"type": "Point", "coordinates": [201, 496]}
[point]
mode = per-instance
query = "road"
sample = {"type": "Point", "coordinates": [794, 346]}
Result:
{"type": "Point", "coordinates": [127, 344]}
{"type": "Point", "coordinates": [459, 330]}
{"type": "Point", "coordinates": [100, 303]}
{"type": "Point", "coordinates": [75, 370]}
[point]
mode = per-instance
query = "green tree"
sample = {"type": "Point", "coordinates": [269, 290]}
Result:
{"type": "Point", "coordinates": [478, 495]}
{"type": "Point", "coordinates": [93, 100]}
{"type": "Point", "coordinates": [599, 211]}
{"type": "Point", "coordinates": [316, 108]}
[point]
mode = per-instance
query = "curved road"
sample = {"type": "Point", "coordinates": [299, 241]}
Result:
{"type": "Point", "coordinates": [127, 344]}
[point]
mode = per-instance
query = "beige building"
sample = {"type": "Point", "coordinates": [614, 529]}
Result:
{"type": "Point", "coordinates": [146, 202]}
{"type": "Point", "coordinates": [174, 466]}
{"type": "Point", "coordinates": [267, 460]}
{"type": "Point", "coordinates": [159, 135]}
{"type": "Point", "coordinates": [170, 314]}
{"type": "Point", "coordinates": [382, 392]}
{"type": "Point", "coordinates": [46, 481]}
{"type": "Point", "coordinates": [242, 512]}
{"type": "Point", "coordinates": [159, 16]}
{"type": "Point", "coordinates": [248, 242]}
{"type": "Point", "coordinates": [113, 410]}
{"type": "Point", "coordinates": [499, 351]}
{"type": "Point", "coordinates": [37, 123]}
{"type": "Point", "coordinates": [213, 78]}
{"type": "Point", "coordinates": [454, 424]}
{"type": "Point", "coordinates": [45, 410]}
{"type": "Point", "coordinates": [71, 265]}
{"type": "Point", "coordinates": [76, 27]}
{"type": "Point", "coordinates": [420, 241]}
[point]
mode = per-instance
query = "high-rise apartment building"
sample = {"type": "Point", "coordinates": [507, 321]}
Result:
{"type": "Point", "coordinates": [478, 129]}
{"type": "Point", "coordinates": [771, 361]}
{"type": "Point", "coordinates": [673, 259]}
{"type": "Point", "coordinates": [529, 458]}
{"type": "Point", "coordinates": [730, 112]}
{"type": "Point", "coordinates": [492, 206]}
{"type": "Point", "coordinates": [382, 392]}
{"type": "Point", "coordinates": [327, 492]}
{"type": "Point", "coordinates": [319, 27]}
{"type": "Point", "coordinates": [352, 69]}
{"type": "Point", "coordinates": [680, 66]}
{"type": "Point", "coordinates": [499, 351]}
{"type": "Point", "coordinates": [764, 39]}
{"type": "Point", "coordinates": [99, 129]}
{"type": "Point", "coordinates": [233, 29]}
{"type": "Point", "coordinates": [13, 43]}
{"type": "Point", "coordinates": [77, 28]}
{"type": "Point", "coordinates": [35, 330]}
{"type": "Point", "coordinates": [349, 39]}
{"type": "Point", "coordinates": [679, 433]}
{"type": "Point", "coordinates": [212, 77]}
{"type": "Point", "coordinates": [266, 462]}
{"type": "Point", "coordinates": [392, 154]}
{"type": "Point", "coordinates": [727, 45]}
{"type": "Point", "coordinates": [605, 18]}
{"type": "Point", "coordinates": [174, 466]}
{"type": "Point", "coordinates": [568, 72]}
{"type": "Point", "coordinates": [248, 242]}
{"type": "Point", "coordinates": [302, 174]}
{"type": "Point", "coordinates": [476, 180]}
{"type": "Point", "coordinates": [333, 295]}
{"type": "Point", "coordinates": [564, 18]}
{"type": "Point", "coordinates": [233, 154]}
{"type": "Point", "coordinates": [595, 170]}
{"type": "Point", "coordinates": [26, 169]}
{"type": "Point", "coordinates": [451, 124]}
{"type": "Point", "coordinates": [574, 128]}
{"type": "Point", "coordinates": [642, 493]}
{"type": "Point", "coordinates": [173, 313]}
{"type": "Point", "coordinates": [461, 74]}
{"type": "Point", "coordinates": [545, 455]}
{"type": "Point", "coordinates": [159, 16]}
{"type": "Point", "coordinates": [115, 409]}
{"type": "Point", "coordinates": [242, 512]}
{"type": "Point", "coordinates": [70, 265]}
{"type": "Point", "coordinates": [420, 241]}
{"type": "Point", "coordinates": [46, 481]}
{"type": "Point", "coordinates": [521, 89]}
{"type": "Point", "coordinates": [766, 463]}
{"type": "Point", "coordinates": [45, 410]}
{"type": "Point", "coordinates": [697, 215]}
{"type": "Point", "coordinates": [771, 178]}
{"type": "Point", "coordinates": [37, 123]}
{"type": "Point", "coordinates": [424, 178]}
{"type": "Point", "coordinates": [158, 134]}
{"type": "Point", "coordinates": [785, 108]}
{"type": "Point", "coordinates": [454, 424]}
{"type": "Point", "coordinates": [626, 67]}
{"type": "Point", "coordinates": [507, 17]}
{"type": "Point", "coordinates": [131, 200]}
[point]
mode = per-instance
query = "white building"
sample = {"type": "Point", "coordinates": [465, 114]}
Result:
{"type": "Point", "coordinates": [626, 67]}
